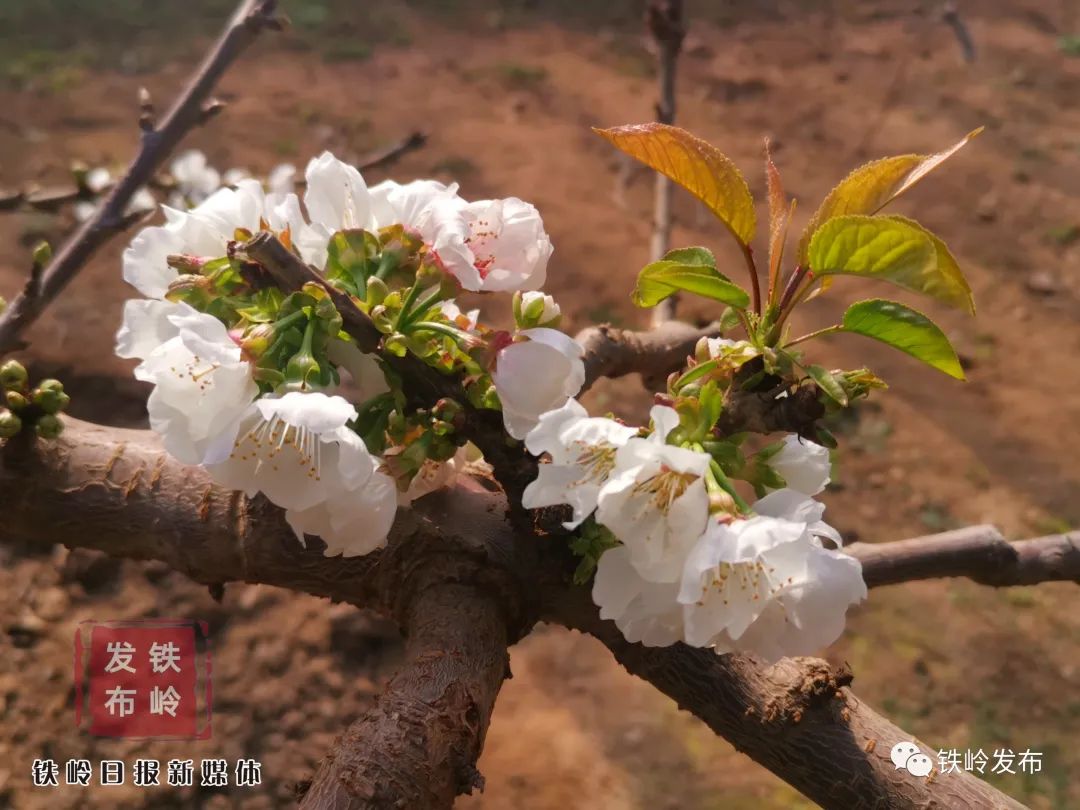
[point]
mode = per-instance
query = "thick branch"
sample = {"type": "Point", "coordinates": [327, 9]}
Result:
{"type": "Point", "coordinates": [117, 491]}
{"type": "Point", "coordinates": [613, 352]}
{"type": "Point", "coordinates": [979, 553]}
{"type": "Point", "coordinates": [250, 18]}
{"type": "Point", "coordinates": [419, 745]}
{"type": "Point", "coordinates": [797, 718]}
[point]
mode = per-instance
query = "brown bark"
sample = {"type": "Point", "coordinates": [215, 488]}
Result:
{"type": "Point", "coordinates": [613, 352]}
{"type": "Point", "coordinates": [419, 745]}
{"type": "Point", "coordinates": [979, 553]}
{"type": "Point", "coordinates": [118, 491]}
{"type": "Point", "coordinates": [797, 718]}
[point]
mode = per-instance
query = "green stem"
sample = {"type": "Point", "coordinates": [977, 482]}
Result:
{"type": "Point", "coordinates": [420, 309]}
{"type": "Point", "coordinates": [388, 263]}
{"type": "Point", "coordinates": [720, 479]}
{"type": "Point", "coordinates": [406, 306]}
{"type": "Point", "coordinates": [748, 254]}
{"type": "Point", "coordinates": [828, 330]}
{"type": "Point", "coordinates": [443, 329]}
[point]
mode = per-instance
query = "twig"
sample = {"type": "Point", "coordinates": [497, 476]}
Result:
{"type": "Point", "coordinates": [664, 19]}
{"type": "Point", "coordinates": [116, 491]}
{"type": "Point", "coordinates": [979, 553]}
{"type": "Point", "coordinates": [251, 17]}
{"type": "Point", "coordinates": [951, 16]}
{"type": "Point", "coordinates": [387, 155]}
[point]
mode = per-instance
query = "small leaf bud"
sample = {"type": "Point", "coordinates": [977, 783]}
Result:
{"type": "Point", "coordinates": [49, 426]}
{"type": "Point", "coordinates": [13, 375]}
{"type": "Point", "coordinates": [10, 424]}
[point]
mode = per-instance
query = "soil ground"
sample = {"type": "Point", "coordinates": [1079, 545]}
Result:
{"type": "Point", "coordinates": [508, 93]}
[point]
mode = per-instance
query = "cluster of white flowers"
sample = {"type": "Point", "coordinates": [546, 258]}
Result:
{"type": "Point", "coordinates": [761, 583]}
{"type": "Point", "coordinates": [297, 447]}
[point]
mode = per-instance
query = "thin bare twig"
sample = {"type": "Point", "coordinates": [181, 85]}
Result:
{"type": "Point", "coordinates": [388, 154]}
{"type": "Point", "coordinates": [979, 553]}
{"type": "Point", "coordinates": [951, 16]}
{"type": "Point", "coordinates": [664, 19]}
{"type": "Point", "coordinates": [251, 17]}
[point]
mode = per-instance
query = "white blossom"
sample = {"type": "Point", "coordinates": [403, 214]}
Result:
{"type": "Point", "coordinates": [366, 374]}
{"type": "Point", "coordinates": [202, 385]}
{"type": "Point", "coordinates": [582, 454]}
{"type": "Point", "coordinates": [352, 521]}
{"type": "Point", "coordinates": [536, 375]}
{"type": "Point", "coordinates": [300, 453]}
{"type": "Point", "coordinates": [204, 231]}
{"type": "Point", "coordinates": [803, 464]}
{"type": "Point", "coordinates": [195, 178]}
{"type": "Point", "coordinates": [462, 320]}
{"type": "Point", "coordinates": [434, 475]}
{"type": "Point", "coordinates": [491, 245]}
{"type": "Point", "coordinates": [536, 309]}
{"type": "Point", "coordinates": [766, 585]}
{"type": "Point", "coordinates": [656, 503]}
{"type": "Point", "coordinates": [646, 612]}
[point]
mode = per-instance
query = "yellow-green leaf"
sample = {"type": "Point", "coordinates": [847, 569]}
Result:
{"type": "Point", "coordinates": [694, 164]}
{"type": "Point", "coordinates": [893, 249]}
{"type": "Point", "coordinates": [661, 279]}
{"type": "Point", "coordinates": [827, 383]}
{"type": "Point", "coordinates": [905, 329]}
{"type": "Point", "coordinates": [871, 187]}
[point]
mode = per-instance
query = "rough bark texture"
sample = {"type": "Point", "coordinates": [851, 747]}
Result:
{"type": "Point", "coordinates": [419, 745]}
{"type": "Point", "coordinates": [463, 582]}
{"type": "Point", "coordinates": [797, 718]}
{"type": "Point", "coordinates": [613, 352]}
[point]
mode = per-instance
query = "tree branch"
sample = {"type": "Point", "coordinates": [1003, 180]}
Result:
{"type": "Point", "coordinates": [979, 553]}
{"type": "Point", "coordinates": [797, 718]}
{"type": "Point", "coordinates": [119, 492]}
{"type": "Point", "coordinates": [613, 352]}
{"type": "Point", "coordinates": [418, 746]}
{"type": "Point", "coordinates": [251, 17]}
{"type": "Point", "coordinates": [387, 155]}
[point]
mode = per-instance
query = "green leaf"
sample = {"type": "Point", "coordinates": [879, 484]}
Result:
{"type": "Point", "coordinates": [893, 249]}
{"type": "Point", "coordinates": [871, 187]}
{"type": "Point", "coordinates": [827, 383]}
{"type": "Point", "coordinates": [694, 164]}
{"type": "Point", "coordinates": [661, 279]}
{"type": "Point", "coordinates": [905, 329]}
{"type": "Point", "coordinates": [700, 256]}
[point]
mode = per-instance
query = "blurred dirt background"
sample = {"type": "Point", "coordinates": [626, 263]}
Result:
{"type": "Point", "coordinates": [508, 92]}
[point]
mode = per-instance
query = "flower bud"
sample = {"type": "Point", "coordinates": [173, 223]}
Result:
{"type": "Point", "coordinates": [376, 291]}
{"type": "Point", "coordinates": [10, 424]}
{"type": "Point", "coordinates": [49, 426]}
{"type": "Point", "coordinates": [50, 400]}
{"type": "Point", "coordinates": [42, 253]}
{"type": "Point", "coordinates": [701, 350]}
{"type": "Point", "coordinates": [721, 502]}
{"type": "Point", "coordinates": [13, 376]}
{"type": "Point", "coordinates": [184, 263]}
{"type": "Point", "coordinates": [3, 304]}
{"type": "Point", "coordinates": [534, 308]}
{"type": "Point", "coordinates": [191, 289]}
{"type": "Point", "coordinates": [257, 339]}
{"type": "Point", "coordinates": [15, 400]}
{"type": "Point", "coordinates": [396, 344]}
